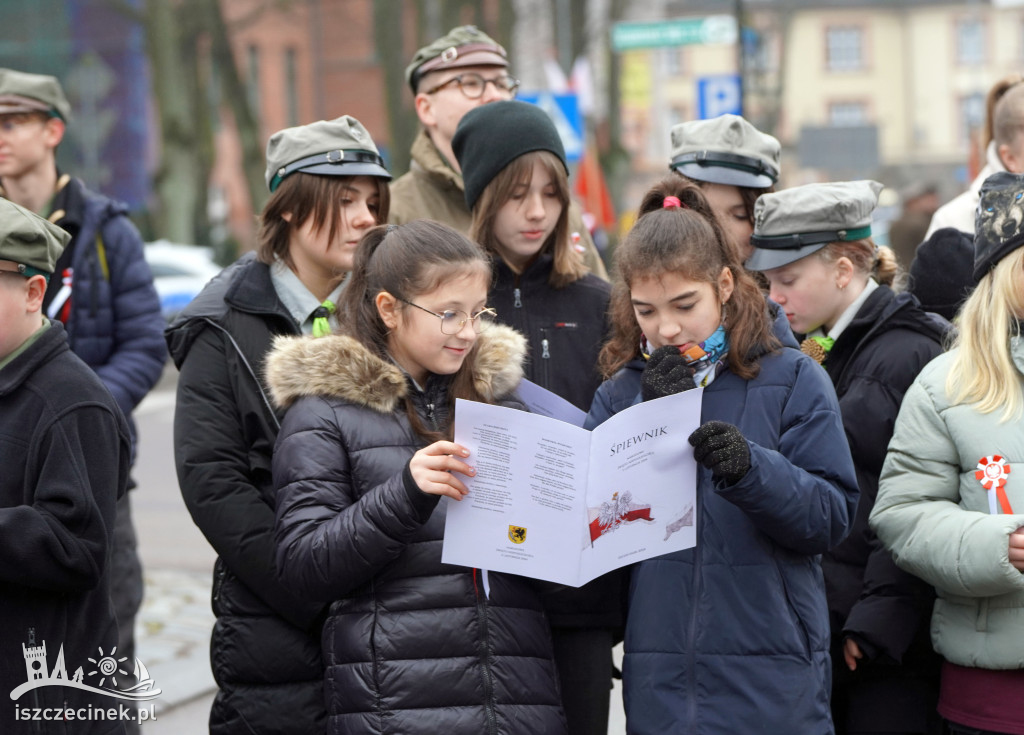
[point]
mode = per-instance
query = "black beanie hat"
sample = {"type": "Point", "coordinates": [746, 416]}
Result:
{"type": "Point", "coordinates": [491, 136]}
{"type": "Point", "coordinates": [999, 226]}
{"type": "Point", "coordinates": [941, 276]}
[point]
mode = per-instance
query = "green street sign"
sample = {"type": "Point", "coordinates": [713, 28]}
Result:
{"type": "Point", "coordinates": [627, 36]}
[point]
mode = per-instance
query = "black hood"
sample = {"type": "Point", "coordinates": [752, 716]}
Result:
{"type": "Point", "coordinates": [245, 286]}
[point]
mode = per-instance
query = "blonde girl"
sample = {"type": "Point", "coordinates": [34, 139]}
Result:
{"type": "Point", "coordinates": [951, 496]}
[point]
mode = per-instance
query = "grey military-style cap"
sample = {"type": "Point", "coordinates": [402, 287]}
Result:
{"type": "Point", "coordinates": [460, 47]}
{"type": "Point", "coordinates": [24, 92]}
{"type": "Point", "coordinates": [794, 223]}
{"type": "Point", "coordinates": [340, 147]}
{"type": "Point", "coordinates": [725, 150]}
{"type": "Point", "coordinates": [29, 244]}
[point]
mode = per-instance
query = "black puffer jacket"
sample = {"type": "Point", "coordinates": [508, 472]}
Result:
{"type": "Point", "coordinates": [265, 651]}
{"type": "Point", "coordinates": [886, 610]}
{"type": "Point", "coordinates": [411, 645]}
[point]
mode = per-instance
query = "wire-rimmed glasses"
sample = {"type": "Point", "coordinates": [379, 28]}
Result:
{"type": "Point", "coordinates": [453, 321]}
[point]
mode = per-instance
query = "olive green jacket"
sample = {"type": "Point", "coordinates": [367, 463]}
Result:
{"type": "Point", "coordinates": [933, 513]}
{"type": "Point", "coordinates": [432, 189]}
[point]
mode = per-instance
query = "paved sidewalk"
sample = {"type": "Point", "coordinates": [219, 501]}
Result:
{"type": "Point", "coordinates": [172, 635]}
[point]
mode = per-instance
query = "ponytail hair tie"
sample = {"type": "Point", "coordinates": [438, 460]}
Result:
{"type": "Point", "coordinates": [671, 202]}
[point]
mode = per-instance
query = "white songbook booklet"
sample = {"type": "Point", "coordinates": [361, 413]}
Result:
{"type": "Point", "coordinates": [556, 502]}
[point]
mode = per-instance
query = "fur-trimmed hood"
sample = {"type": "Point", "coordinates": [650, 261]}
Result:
{"type": "Point", "coordinates": [340, 366]}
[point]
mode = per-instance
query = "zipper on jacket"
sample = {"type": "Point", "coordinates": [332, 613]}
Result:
{"type": "Point", "coordinates": [430, 415]}
{"type": "Point", "coordinates": [219, 582]}
{"type": "Point", "coordinates": [485, 659]}
{"type": "Point", "coordinates": [543, 377]}
{"type": "Point", "coordinates": [518, 301]}
{"type": "Point", "coordinates": [691, 631]}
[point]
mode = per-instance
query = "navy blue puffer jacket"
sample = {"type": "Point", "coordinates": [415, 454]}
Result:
{"type": "Point", "coordinates": [733, 635]}
{"type": "Point", "coordinates": [115, 326]}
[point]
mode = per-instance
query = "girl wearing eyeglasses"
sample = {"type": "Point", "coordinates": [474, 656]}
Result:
{"type": "Point", "coordinates": [516, 184]}
{"type": "Point", "coordinates": [364, 455]}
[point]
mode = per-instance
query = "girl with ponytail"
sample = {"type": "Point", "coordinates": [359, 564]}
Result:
{"type": "Point", "coordinates": [363, 458]}
{"type": "Point", "coordinates": [731, 635]}
{"type": "Point", "coordinates": [814, 245]}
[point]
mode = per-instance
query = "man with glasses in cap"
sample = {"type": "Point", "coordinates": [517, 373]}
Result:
{"type": "Point", "coordinates": [65, 453]}
{"type": "Point", "coordinates": [459, 71]}
{"type": "Point", "coordinates": [102, 289]}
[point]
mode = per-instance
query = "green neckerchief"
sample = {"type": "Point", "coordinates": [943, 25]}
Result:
{"type": "Point", "coordinates": [321, 326]}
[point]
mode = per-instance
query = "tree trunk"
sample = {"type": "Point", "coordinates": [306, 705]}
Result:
{"type": "Point", "coordinates": [237, 100]}
{"type": "Point", "coordinates": [388, 36]}
{"type": "Point", "coordinates": [179, 168]}
{"type": "Point", "coordinates": [533, 39]}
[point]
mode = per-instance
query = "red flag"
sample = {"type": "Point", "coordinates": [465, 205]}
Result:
{"type": "Point", "coordinates": [592, 190]}
{"type": "Point", "coordinates": [637, 514]}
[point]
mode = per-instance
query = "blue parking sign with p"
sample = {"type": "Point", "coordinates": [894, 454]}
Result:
{"type": "Point", "coordinates": [719, 95]}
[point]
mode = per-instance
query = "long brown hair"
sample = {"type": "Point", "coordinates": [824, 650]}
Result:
{"type": "Point", "coordinates": [407, 261]}
{"type": "Point", "coordinates": [687, 240]}
{"type": "Point", "coordinates": [304, 196]}
{"type": "Point", "coordinates": [567, 266]}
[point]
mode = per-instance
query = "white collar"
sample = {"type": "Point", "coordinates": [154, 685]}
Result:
{"type": "Point", "coordinates": [851, 311]}
{"type": "Point", "coordinates": [297, 299]}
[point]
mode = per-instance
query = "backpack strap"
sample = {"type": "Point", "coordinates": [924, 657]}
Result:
{"type": "Point", "coordinates": [101, 254]}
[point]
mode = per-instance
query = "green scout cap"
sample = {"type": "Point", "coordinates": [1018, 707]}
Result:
{"type": "Point", "coordinates": [461, 47]}
{"type": "Point", "coordinates": [24, 92]}
{"type": "Point", "coordinates": [793, 223]}
{"type": "Point", "coordinates": [340, 147]}
{"type": "Point", "coordinates": [725, 150]}
{"type": "Point", "coordinates": [29, 244]}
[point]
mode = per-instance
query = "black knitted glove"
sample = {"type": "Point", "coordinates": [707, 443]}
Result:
{"type": "Point", "coordinates": [666, 373]}
{"type": "Point", "coordinates": [722, 449]}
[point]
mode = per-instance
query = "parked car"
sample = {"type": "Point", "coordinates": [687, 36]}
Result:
{"type": "Point", "coordinates": [179, 273]}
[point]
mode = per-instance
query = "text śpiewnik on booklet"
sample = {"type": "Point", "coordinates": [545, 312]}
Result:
{"type": "Point", "coordinates": [556, 502]}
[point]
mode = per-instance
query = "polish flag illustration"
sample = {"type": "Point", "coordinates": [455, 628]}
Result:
{"type": "Point", "coordinates": [613, 514]}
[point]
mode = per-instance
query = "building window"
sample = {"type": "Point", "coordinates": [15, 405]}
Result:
{"type": "Point", "coordinates": [291, 86]}
{"type": "Point", "coordinates": [253, 79]}
{"type": "Point", "coordinates": [672, 61]}
{"type": "Point", "coordinates": [972, 116]}
{"type": "Point", "coordinates": [847, 114]}
{"type": "Point", "coordinates": [844, 48]}
{"type": "Point", "coordinates": [970, 42]}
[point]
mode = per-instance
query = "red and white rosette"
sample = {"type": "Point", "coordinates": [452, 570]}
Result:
{"type": "Point", "coordinates": [991, 473]}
